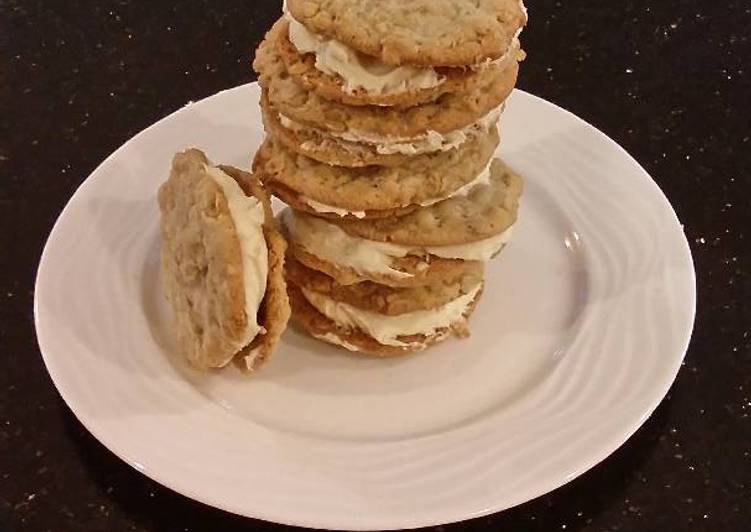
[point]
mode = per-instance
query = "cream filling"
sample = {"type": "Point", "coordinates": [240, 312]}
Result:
{"type": "Point", "coordinates": [357, 70]}
{"type": "Point", "coordinates": [330, 243]}
{"type": "Point", "coordinates": [481, 250]}
{"type": "Point", "coordinates": [248, 217]}
{"type": "Point", "coordinates": [430, 142]}
{"type": "Point", "coordinates": [483, 178]}
{"type": "Point", "coordinates": [325, 208]}
{"type": "Point", "coordinates": [386, 329]}
{"type": "Point", "coordinates": [334, 339]}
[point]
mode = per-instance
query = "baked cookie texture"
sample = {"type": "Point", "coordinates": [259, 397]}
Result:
{"type": "Point", "coordinates": [419, 32]}
{"type": "Point", "coordinates": [298, 202]}
{"type": "Point", "coordinates": [202, 270]}
{"type": "Point", "coordinates": [378, 191]}
{"type": "Point", "coordinates": [485, 211]}
{"type": "Point", "coordinates": [450, 112]}
{"type": "Point", "coordinates": [325, 148]}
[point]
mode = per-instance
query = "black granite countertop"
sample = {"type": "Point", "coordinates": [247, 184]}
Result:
{"type": "Point", "coordinates": [668, 80]}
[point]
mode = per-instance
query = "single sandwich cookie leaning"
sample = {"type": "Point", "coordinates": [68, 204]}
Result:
{"type": "Point", "coordinates": [373, 191]}
{"type": "Point", "coordinates": [336, 72]}
{"type": "Point", "coordinates": [222, 263]}
{"type": "Point", "coordinates": [379, 298]}
{"type": "Point", "coordinates": [379, 334]}
{"type": "Point", "coordinates": [420, 32]}
{"type": "Point", "coordinates": [446, 116]}
{"type": "Point", "coordinates": [437, 242]}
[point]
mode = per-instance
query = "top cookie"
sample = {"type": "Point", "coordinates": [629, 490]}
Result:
{"type": "Point", "coordinates": [418, 32]}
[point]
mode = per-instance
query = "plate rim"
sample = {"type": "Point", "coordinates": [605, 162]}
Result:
{"type": "Point", "coordinates": [257, 513]}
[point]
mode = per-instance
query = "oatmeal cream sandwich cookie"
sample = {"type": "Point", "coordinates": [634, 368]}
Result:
{"type": "Point", "coordinates": [373, 191]}
{"type": "Point", "coordinates": [418, 32]}
{"type": "Point", "coordinates": [376, 319]}
{"type": "Point", "coordinates": [337, 72]}
{"type": "Point", "coordinates": [222, 263]}
{"type": "Point", "coordinates": [369, 332]}
{"type": "Point", "coordinates": [382, 299]}
{"type": "Point", "coordinates": [440, 241]}
{"type": "Point", "coordinates": [323, 147]}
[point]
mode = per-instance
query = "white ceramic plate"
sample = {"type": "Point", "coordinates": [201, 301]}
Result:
{"type": "Point", "coordinates": [581, 330]}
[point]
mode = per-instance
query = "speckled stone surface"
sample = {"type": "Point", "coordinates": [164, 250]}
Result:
{"type": "Point", "coordinates": [667, 80]}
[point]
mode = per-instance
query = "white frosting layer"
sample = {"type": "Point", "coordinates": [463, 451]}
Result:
{"type": "Point", "coordinates": [430, 142]}
{"type": "Point", "coordinates": [334, 339]}
{"type": "Point", "coordinates": [330, 243]}
{"type": "Point", "coordinates": [323, 207]}
{"type": "Point", "coordinates": [482, 250]}
{"type": "Point", "coordinates": [357, 70]}
{"type": "Point", "coordinates": [248, 217]}
{"type": "Point", "coordinates": [386, 329]}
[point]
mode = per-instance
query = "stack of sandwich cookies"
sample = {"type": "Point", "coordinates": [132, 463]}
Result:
{"type": "Point", "coordinates": [382, 122]}
{"type": "Point", "coordinates": [393, 285]}
{"type": "Point", "coordinates": [222, 263]}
